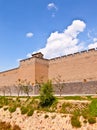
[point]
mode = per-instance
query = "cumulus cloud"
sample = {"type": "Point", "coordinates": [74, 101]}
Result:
{"type": "Point", "coordinates": [29, 34]}
{"type": "Point", "coordinates": [29, 55]}
{"type": "Point", "coordinates": [67, 42]}
{"type": "Point", "coordinates": [94, 44]}
{"type": "Point", "coordinates": [52, 6]}
{"type": "Point", "coordinates": [92, 38]}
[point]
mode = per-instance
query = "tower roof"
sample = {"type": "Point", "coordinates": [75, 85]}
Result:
{"type": "Point", "coordinates": [38, 55]}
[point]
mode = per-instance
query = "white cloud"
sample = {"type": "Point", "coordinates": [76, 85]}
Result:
{"type": "Point", "coordinates": [29, 34]}
{"type": "Point", "coordinates": [94, 44]}
{"type": "Point", "coordinates": [59, 44]}
{"type": "Point", "coordinates": [29, 55]}
{"type": "Point", "coordinates": [52, 6]}
{"type": "Point", "coordinates": [18, 60]}
{"type": "Point", "coordinates": [95, 39]}
{"type": "Point", "coordinates": [53, 15]}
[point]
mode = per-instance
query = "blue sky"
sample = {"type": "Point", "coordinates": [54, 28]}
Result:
{"type": "Point", "coordinates": [54, 27]}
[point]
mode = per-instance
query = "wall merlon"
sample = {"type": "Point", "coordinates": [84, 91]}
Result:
{"type": "Point", "coordinates": [93, 49]}
{"type": "Point", "coordinates": [72, 67]}
{"type": "Point", "coordinates": [81, 53]}
{"type": "Point", "coordinates": [84, 51]}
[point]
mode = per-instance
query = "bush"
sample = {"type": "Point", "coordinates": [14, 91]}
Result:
{"type": "Point", "coordinates": [93, 108]}
{"type": "Point", "coordinates": [24, 110]}
{"type": "Point", "coordinates": [12, 109]}
{"type": "Point", "coordinates": [30, 112]}
{"type": "Point", "coordinates": [46, 94]}
{"type": "Point", "coordinates": [75, 122]}
{"type": "Point", "coordinates": [92, 120]}
{"type": "Point", "coordinates": [66, 106]}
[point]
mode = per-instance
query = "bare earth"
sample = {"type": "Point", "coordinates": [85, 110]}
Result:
{"type": "Point", "coordinates": [42, 121]}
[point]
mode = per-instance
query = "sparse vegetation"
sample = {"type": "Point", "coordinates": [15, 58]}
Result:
{"type": "Point", "coordinates": [59, 84]}
{"type": "Point", "coordinates": [46, 94]}
{"type": "Point", "coordinates": [12, 109]}
{"type": "Point", "coordinates": [47, 102]}
{"type": "Point", "coordinates": [24, 110]}
{"type": "Point", "coordinates": [92, 120]}
{"type": "Point", "coordinates": [30, 112]}
{"type": "Point", "coordinates": [75, 121]}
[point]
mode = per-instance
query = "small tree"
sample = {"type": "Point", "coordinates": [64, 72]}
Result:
{"type": "Point", "coordinates": [46, 94]}
{"type": "Point", "coordinates": [38, 86]}
{"type": "Point", "coordinates": [59, 83]}
{"type": "Point", "coordinates": [3, 89]}
{"type": "Point", "coordinates": [26, 87]}
{"type": "Point", "coordinates": [9, 89]}
{"type": "Point", "coordinates": [18, 87]}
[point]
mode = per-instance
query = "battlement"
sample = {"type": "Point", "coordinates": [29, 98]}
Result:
{"type": "Point", "coordinates": [75, 54]}
{"type": "Point", "coordinates": [71, 67]}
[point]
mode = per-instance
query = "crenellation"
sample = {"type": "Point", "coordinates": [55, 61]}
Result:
{"type": "Point", "coordinates": [93, 49]}
{"type": "Point", "coordinates": [76, 53]}
{"type": "Point", "coordinates": [72, 68]}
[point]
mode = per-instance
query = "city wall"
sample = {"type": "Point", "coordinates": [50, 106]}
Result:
{"type": "Point", "coordinates": [73, 69]}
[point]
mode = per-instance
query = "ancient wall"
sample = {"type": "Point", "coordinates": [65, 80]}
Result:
{"type": "Point", "coordinates": [41, 70]}
{"type": "Point", "coordinates": [32, 69]}
{"type": "Point", "coordinates": [74, 88]}
{"type": "Point", "coordinates": [9, 78]}
{"type": "Point", "coordinates": [72, 68]}
{"type": "Point", "coordinates": [27, 70]}
{"type": "Point", "coordinates": [76, 67]}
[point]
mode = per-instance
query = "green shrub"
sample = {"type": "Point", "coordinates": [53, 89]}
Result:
{"type": "Point", "coordinates": [24, 110]}
{"type": "Point", "coordinates": [73, 98]}
{"type": "Point", "coordinates": [75, 122]}
{"type": "Point", "coordinates": [93, 108]}
{"type": "Point", "coordinates": [3, 101]}
{"type": "Point", "coordinates": [12, 109]}
{"type": "Point", "coordinates": [46, 94]}
{"type": "Point", "coordinates": [77, 112]}
{"type": "Point", "coordinates": [92, 120]}
{"type": "Point", "coordinates": [30, 112]}
{"type": "Point", "coordinates": [66, 106]}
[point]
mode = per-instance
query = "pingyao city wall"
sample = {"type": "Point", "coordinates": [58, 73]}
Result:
{"type": "Point", "coordinates": [78, 72]}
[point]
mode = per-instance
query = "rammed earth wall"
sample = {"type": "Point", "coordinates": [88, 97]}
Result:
{"type": "Point", "coordinates": [73, 69]}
